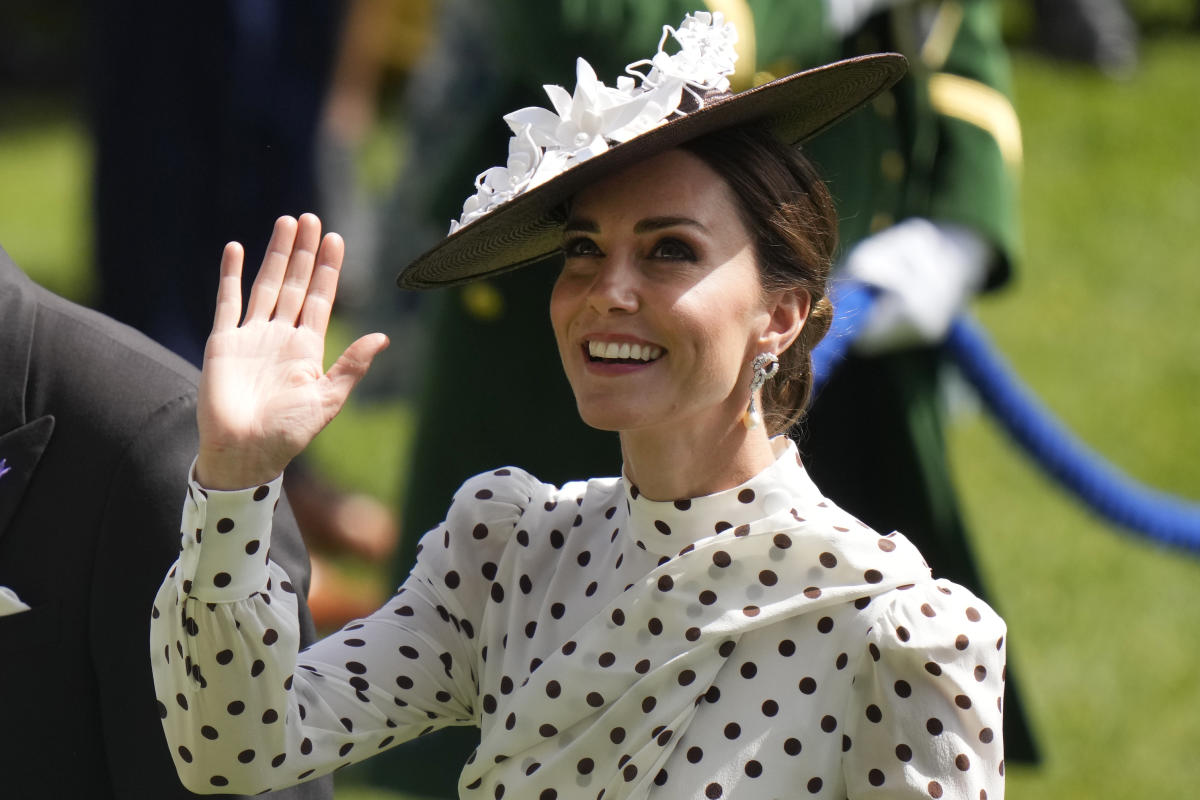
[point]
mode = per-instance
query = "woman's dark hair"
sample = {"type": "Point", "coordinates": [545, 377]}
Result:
{"type": "Point", "coordinates": [789, 213]}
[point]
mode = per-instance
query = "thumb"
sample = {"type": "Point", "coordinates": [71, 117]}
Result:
{"type": "Point", "coordinates": [351, 366]}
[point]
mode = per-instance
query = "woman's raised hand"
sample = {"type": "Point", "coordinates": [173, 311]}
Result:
{"type": "Point", "coordinates": [264, 393]}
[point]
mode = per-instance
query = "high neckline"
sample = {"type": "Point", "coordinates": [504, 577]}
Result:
{"type": "Point", "coordinates": [665, 527]}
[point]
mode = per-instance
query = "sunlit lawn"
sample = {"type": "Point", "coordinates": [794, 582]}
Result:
{"type": "Point", "coordinates": [1101, 323]}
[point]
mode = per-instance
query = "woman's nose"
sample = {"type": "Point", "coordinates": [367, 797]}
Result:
{"type": "Point", "coordinates": [615, 286]}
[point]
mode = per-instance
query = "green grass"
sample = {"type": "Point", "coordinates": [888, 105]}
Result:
{"type": "Point", "coordinates": [1103, 624]}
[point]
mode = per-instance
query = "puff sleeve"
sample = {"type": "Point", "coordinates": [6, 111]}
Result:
{"type": "Point", "coordinates": [243, 711]}
{"type": "Point", "coordinates": [927, 701]}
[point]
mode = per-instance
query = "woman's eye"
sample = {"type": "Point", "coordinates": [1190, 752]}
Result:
{"type": "Point", "coordinates": [673, 250]}
{"type": "Point", "coordinates": [580, 246]}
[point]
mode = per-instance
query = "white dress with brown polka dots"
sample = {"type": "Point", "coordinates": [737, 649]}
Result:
{"type": "Point", "coordinates": [755, 643]}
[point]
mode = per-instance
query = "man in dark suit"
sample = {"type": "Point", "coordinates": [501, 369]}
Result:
{"type": "Point", "coordinates": [97, 432]}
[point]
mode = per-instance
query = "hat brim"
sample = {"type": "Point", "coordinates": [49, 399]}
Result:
{"type": "Point", "coordinates": [525, 230]}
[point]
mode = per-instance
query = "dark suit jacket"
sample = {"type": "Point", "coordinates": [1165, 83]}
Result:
{"type": "Point", "coordinates": [97, 431]}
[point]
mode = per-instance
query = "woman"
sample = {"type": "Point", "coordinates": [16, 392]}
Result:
{"type": "Point", "coordinates": [706, 625]}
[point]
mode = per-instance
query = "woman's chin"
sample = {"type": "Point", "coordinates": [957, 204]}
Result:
{"type": "Point", "coordinates": [610, 419]}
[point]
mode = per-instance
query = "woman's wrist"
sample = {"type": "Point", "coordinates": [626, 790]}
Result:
{"type": "Point", "coordinates": [226, 472]}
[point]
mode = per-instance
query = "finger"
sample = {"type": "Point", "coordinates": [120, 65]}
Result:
{"type": "Point", "coordinates": [350, 368]}
{"type": "Point", "coordinates": [323, 287]}
{"type": "Point", "coordinates": [229, 289]}
{"type": "Point", "coordinates": [270, 274]}
{"type": "Point", "coordinates": [299, 269]}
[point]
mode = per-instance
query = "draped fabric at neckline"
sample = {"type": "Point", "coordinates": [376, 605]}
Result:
{"type": "Point", "coordinates": [785, 552]}
{"type": "Point", "coordinates": [666, 527]}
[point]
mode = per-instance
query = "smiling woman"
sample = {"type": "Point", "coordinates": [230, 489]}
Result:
{"type": "Point", "coordinates": [705, 625]}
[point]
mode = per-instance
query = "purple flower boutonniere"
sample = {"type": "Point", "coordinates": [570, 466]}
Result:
{"type": "Point", "coordinates": [4, 467]}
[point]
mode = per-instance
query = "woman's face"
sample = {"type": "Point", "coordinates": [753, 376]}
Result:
{"type": "Point", "coordinates": [659, 308]}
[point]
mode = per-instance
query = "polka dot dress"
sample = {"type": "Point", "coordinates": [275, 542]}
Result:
{"type": "Point", "coordinates": [758, 642]}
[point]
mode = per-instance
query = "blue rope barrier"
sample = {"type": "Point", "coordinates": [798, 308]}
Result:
{"type": "Point", "coordinates": [1066, 459]}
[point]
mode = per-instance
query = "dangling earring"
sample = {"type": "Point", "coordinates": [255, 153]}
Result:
{"type": "Point", "coordinates": [765, 366]}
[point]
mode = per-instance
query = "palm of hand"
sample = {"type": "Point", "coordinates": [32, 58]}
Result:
{"type": "Point", "coordinates": [263, 392]}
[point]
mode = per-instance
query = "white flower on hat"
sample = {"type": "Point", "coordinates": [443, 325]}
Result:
{"type": "Point", "coordinates": [584, 123]}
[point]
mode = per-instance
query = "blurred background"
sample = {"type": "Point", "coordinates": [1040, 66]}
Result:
{"type": "Point", "coordinates": [1100, 321]}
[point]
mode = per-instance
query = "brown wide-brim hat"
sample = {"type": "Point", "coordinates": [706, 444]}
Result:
{"type": "Point", "coordinates": [526, 229]}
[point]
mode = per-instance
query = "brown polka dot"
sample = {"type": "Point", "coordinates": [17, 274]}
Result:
{"type": "Point", "coordinates": [932, 668]}
{"type": "Point", "coordinates": [812, 592]}
{"type": "Point", "coordinates": [962, 642]}
{"type": "Point", "coordinates": [768, 577]}
{"type": "Point", "coordinates": [980, 673]}
{"type": "Point", "coordinates": [902, 633]}
{"type": "Point", "coordinates": [973, 614]}
{"type": "Point", "coordinates": [934, 726]}
{"type": "Point", "coordinates": [886, 545]}
{"type": "Point", "coordinates": [713, 791]}
{"type": "Point", "coordinates": [962, 762]}
{"type": "Point", "coordinates": [962, 701]}
{"type": "Point", "coordinates": [903, 689]}
{"type": "Point", "coordinates": [782, 541]}
{"type": "Point", "coordinates": [807, 685]}
{"type": "Point", "coordinates": [751, 611]}
{"type": "Point", "coordinates": [815, 785]}
{"type": "Point", "coordinates": [792, 747]}
{"type": "Point", "coordinates": [746, 496]}
{"type": "Point", "coordinates": [606, 659]}
{"type": "Point", "coordinates": [547, 730]}
{"type": "Point", "coordinates": [986, 736]}
{"type": "Point", "coordinates": [708, 597]}
{"type": "Point", "coordinates": [828, 723]}
{"type": "Point", "coordinates": [825, 624]}
{"type": "Point", "coordinates": [694, 755]}
{"type": "Point", "coordinates": [874, 714]}
{"type": "Point", "coordinates": [753, 769]}
{"type": "Point", "coordinates": [904, 752]}
{"type": "Point", "coordinates": [692, 634]}
{"type": "Point", "coordinates": [722, 559]}
{"type": "Point", "coordinates": [665, 583]}
{"type": "Point", "coordinates": [935, 789]}
{"type": "Point", "coordinates": [828, 560]}
{"type": "Point", "coordinates": [873, 576]}
{"type": "Point", "coordinates": [595, 699]}
{"type": "Point", "coordinates": [875, 777]}
{"type": "Point", "coordinates": [787, 648]}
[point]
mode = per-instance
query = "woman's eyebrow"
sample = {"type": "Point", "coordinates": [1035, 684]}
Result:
{"type": "Point", "coordinates": [658, 223]}
{"type": "Point", "coordinates": [647, 225]}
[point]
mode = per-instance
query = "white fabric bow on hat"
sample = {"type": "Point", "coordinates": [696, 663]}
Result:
{"type": "Point", "coordinates": [584, 123]}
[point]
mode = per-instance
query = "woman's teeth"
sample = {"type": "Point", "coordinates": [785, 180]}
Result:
{"type": "Point", "coordinates": [624, 351]}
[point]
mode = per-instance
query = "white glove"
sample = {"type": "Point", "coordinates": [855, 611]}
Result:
{"type": "Point", "coordinates": [926, 273]}
{"type": "Point", "coordinates": [844, 17]}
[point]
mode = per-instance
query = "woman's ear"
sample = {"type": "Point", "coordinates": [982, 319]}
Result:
{"type": "Point", "coordinates": [789, 311]}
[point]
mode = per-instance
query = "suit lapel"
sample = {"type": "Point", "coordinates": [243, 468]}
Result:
{"type": "Point", "coordinates": [23, 442]}
{"type": "Point", "coordinates": [20, 451]}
